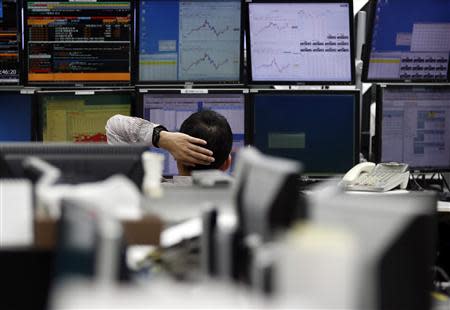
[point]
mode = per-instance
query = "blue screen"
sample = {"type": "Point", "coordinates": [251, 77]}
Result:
{"type": "Point", "coordinates": [15, 117]}
{"type": "Point", "coordinates": [410, 40]}
{"type": "Point", "coordinates": [195, 40]}
{"type": "Point", "coordinates": [316, 129]}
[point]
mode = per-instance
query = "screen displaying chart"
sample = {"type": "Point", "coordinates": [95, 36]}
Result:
{"type": "Point", "coordinates": [410, 41]}
{"type": "Point", "coordinates": [78, 41]}
{"type": "Point", "coordinates": [300, 42]}
{"type": "Point", "coordinates": [172, 109]}
{"type": "Point", "coordinates": [79, 118]}
{"type": "Point", "coordinates": [189, 40]}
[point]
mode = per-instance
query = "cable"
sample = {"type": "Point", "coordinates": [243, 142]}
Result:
{"type": "Point", "coordinates": [442, 272]}
{"type": "Point", "coordinates": [418, 186]}
{"type": "Point", "coordinates": [445, 182]}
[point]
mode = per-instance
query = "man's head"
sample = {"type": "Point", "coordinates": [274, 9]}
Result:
{"type": "Point", "coordinates": [215, 130]}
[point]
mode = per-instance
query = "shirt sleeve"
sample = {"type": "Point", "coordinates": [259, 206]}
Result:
{"type": "Point", "coordinates": [122, 129]}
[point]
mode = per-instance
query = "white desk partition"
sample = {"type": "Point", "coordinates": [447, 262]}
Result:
{"type": "Point", "coordinates": [16, 213]}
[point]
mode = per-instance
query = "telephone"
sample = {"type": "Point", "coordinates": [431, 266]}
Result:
{"type": "Point", "coordinates": [376, 178]}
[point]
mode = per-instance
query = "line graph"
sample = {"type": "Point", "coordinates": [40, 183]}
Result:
{"type": "Point", "coordinates": [206, 59]}
{"type": "Point", "coordinates": [299, 41]}
{"type": "Point", "coordinates": [204, 20]}
{"type": "Point", "coordinates": [218, 62]}
{"type": "Point", "coordinates": [274, 64]}
{"type": "Point", "coordinates": [272, 25]}
{"type": "Point", "coordinates": [208, 27]}
{"type": "Point", "coordinates": [210, 33]}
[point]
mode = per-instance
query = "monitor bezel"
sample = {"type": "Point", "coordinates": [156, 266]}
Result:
{"type": "Point", "coordinates": [379, 122]}
{"type": "Point", "coordinates": [366, 52]}
{"type": "Point", "coordinates": [356, 135]}
{"type": "Point", "coordinates": [352, 80]}
{"type": "Point", "coordinates": [77, 83]}
{"type": "Point", "coordinates": [18, 91]}
{"type": "Point", "coordinates": [178, 83]}
{"type": "Point", "coordinates": [81, 92]}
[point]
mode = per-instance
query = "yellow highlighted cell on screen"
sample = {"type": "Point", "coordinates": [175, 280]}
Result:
{"type": "Point", "coordinates": [385, 61]}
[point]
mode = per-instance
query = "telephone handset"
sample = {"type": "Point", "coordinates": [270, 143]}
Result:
{"type": "Point", "coordinates": [376, 178]}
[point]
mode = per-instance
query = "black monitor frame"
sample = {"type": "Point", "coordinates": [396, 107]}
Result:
{"type": "Point", "coordinates": [18, 91]}
{"type": "Point", "coordinates": [25, 55]}
{"type": "Point", "coordinates": [75, 160]}
{"type": "Point", "coordinates": [178, 83]}
{"type": "Point", "coordinates": [81, 92]}
{"type": "Point", "coordinates": [379, 122]}
{"type": "Point", "coordinates": [293, 82]}
{"type": "Point", "coordinates": [356, 123]}
{"type": "Point", "coordinates": [366, 52]}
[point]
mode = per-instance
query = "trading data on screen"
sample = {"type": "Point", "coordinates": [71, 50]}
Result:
{"type": "Point", "coordinates": [415, 126]}
{"type": "Point", "coordinates": [189, 40]}
{"type": "Point", "coordinates": [300, 42]}
{"type": "Point", "coordinates": [78, 41]}
{"type": "Point", "coordinates": [171, 110]}
{"type": "Point", "coordinates": [80, 118]}
{"type": "Point", "coordinates": [9, 46]}
{"type": "Point", "coordinates": [410, 40]}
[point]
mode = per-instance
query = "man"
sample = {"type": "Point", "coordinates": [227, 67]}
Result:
{"type": "Point", "coordinates": [205, 128]}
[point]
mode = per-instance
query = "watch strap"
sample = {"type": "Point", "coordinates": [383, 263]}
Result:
{"type": "Point", "coordinates": [156, 135]}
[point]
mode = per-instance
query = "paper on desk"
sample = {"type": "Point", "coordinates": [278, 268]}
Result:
{"type": "Point", "coordinates": [116, 196]}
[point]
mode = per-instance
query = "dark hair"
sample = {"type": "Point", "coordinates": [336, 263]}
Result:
{"type": "Point", "coordinates": [215, 130]}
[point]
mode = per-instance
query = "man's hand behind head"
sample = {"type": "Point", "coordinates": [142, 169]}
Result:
{"type": "Point", "coordinates": [186, 149]}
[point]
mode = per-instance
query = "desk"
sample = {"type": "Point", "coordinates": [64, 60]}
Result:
{"type": "Point", "coordinates": [168, 293]}
{"type": "Point", "coordinates": [144, 231]}
{"type": "Point", "coordinates": [181, 203]}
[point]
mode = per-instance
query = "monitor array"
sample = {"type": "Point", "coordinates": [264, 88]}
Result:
{"type": "Point", "coordinates": [281, 123]}
{"type": "Point", "coordinates": [154, 42]}
{"type": "Point", "coordinates": [410, 49]}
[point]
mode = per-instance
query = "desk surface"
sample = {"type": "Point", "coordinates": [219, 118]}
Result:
{"type": "Point", "coordinates": [168, 293]}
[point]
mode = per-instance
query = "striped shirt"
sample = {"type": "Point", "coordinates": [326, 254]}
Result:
{"type": "Point", "coordinates": [122, 129]}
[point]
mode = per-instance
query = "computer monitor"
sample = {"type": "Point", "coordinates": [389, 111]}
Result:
{"type": "Point", "coordinates": [171, 107]}
{"type": "Point", "coordinates": [16, 116]}
{"type": "Point", "coordinates": [190, 41]}
{"type": "Point", "coordinates": [394, 263]}
{"type": "Point", "coordinates": [78, 162]}
{"type": "Point", "coordinates": [412, 126]}
{"type": "Point", "coordinates": [9, 44]}
{"type": "Point", "coordinates": [300, 42]}
{"type": "Point", "coordinates": [79, 116]}
{"type": "Point", "coordinates": [266, 193]}
{"type": "Point", "coordinates": [318, 128]}
{"type": "Point", "coordinates": [78, 42]}
{"type": "Point", "coordinates": [408, 41]}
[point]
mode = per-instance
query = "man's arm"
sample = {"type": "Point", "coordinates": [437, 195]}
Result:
{"type": "Point", "coordinates": [122, 129]}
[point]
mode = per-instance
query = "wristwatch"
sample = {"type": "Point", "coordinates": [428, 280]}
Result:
{"type": "Point", "coordinates": [156, 135]}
